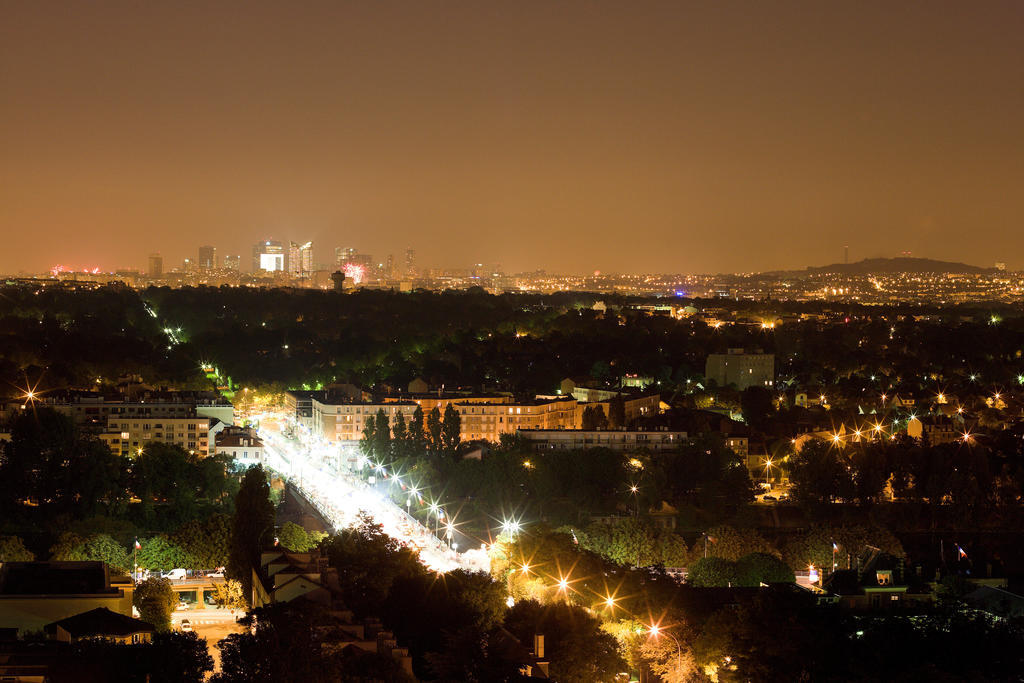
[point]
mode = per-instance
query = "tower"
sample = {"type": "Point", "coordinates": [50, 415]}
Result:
{"type": "Point", "coordinates": [410, 262]}
{"type": "Point", "coordinates": [156, 266]}
{"type": "Point", "coordinates": [207, 258]}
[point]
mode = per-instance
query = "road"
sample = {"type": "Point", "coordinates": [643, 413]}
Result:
{"type": "Point", "coordinates": [213, 624]}
{"type": "Point", "coordinates": [342, 496]}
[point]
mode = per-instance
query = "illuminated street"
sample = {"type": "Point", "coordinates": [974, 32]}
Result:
{"type": "Point", "coordinates": [313, 467]}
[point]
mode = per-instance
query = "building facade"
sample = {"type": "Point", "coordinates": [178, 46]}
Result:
{"type": "Point", "coordinates": [483, 418]}
{"type": "Point", "coordinates": [615, 439]}
{"type": "Point", "coordinates": [741, 369]}
{"type": "Point", "coordinates": [129, 435]}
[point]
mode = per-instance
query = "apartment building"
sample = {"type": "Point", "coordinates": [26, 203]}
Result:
{"type": "Point", "coordinates": [482, 417]}
{"type": "Point", "coordinates": [94, 408]}
{"type": "Point", "coordinates": [615, 439]}
{"type": "Point", "coordinates": [127, 435]}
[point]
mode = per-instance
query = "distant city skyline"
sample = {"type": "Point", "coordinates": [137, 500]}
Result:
{"type": "Point", "coordinates": [630, 137]}
{"type": "Point", "coordinates": [327, 255]}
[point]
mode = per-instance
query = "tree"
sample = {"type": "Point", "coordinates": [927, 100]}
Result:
{"type": "Point", "coordinates": [417, 437]}
{"type": "Point", "coordinates": [473, 656]}
{"type": "Point", "coordinates": [756, 404]}
{"type": "Point", "coordinates": [368, 444]}
{"type": "Point", "coordinates": [815, 546]}
{"type": "Point", "coordinates": [594, 418]}
{"type": "Point", "coordinates": [772, 636]}
{"type": "Point", "coordinates": [228, 593]}
{"type": "Point", "coordinates": [290, 641]}
{"type": "Point", "coordinates": [295, 538]}
{"type": "Point", "coordinates": [171, 657]}
{"type": "Point", "coordinates": [820, 474]}
{"type": "Point", "coordinates": [155, 599]}
{"type": "Point", "coordinates": [382, 435]}
{"type": "Point", "coordinates": [252, 526]}
{"type": "Point", "coordinates": [672, 663]}
{"type": "Point", "coordinates": [713, 571]}
{"type": "Point", "coordinates": [368, 563]}
{"type": "Point", "coordinates": [732, 543]}
{"type": "Point", "coordinates": [95, 548]}
{"type": "Point", "coordinates": [617, 412]}
{"type": "Point", "coordinates": [575, 644]}
{"type": "Point", "coordinates": [757, 568]}
{"type": "Point", "coordinates": [159, 553]}
{"type": "Point", "coordinates": [451, 429]}
{"type": "Point", "coordinates": [400, 436]}
{"type": "Point", "coordinates": [12, 549]}
{"type": "Point", "coordinates": [434, 429]}
{"type": "Point", "coordinates": [206, 544]}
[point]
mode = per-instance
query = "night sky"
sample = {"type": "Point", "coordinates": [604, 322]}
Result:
{"type": "Point", "coordinates": [572, 136]}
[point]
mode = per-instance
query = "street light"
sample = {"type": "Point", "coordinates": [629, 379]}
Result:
{"type": "Point", "coordinates": [634, 489]}
{"type": "Point", "coordinates": [656, 631]}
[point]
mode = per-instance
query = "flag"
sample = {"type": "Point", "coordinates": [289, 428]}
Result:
{"type": "Point", "coordinates": [276, 541]}
{"type": "Point", "coordinates": [712, 539]}
{"type": "Point", "coordinates": [834, 546]}
{"type": "Point", "coordinates": [961, 554]}
{"type": "Point", "coordinates": [138, 546]}
{"type": "Point", "coordinates": [575, 540]}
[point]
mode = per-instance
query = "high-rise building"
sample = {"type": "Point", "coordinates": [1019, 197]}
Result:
{"type": "Point", "coordinates": [300, 259]}
{"type": "Point", "coordinates": [343, 255]}
{"type": "Point", "coordinates": [232, 262]}
{"type": "Point", "coordinates": [268, 256]}
{"type": "Point", "coordinates": [207, 258]}
{"type": "Point", "coordinates": [389, 266]}
{"type": "Point", "coordinates": [156, 266]}
{"type": "Point", "coordinates": [410, 262]}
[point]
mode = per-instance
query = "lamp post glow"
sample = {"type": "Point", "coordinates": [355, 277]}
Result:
{"type": "Point", "coordinates": [656, 631]}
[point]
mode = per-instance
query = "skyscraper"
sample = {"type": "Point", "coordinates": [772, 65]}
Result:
{"type": "Point", "coordinates": [343, 255]}
{"type": "Point", "coordinates": [300, 259]}
{"type": "Point", "coordinates": [232, 262]}
{"type": "Point", "coordinates": [207, 258]}
{"type": "Point", "coordinates": [156, 266]}
{"type": "Point", "coordinates": [410, 262]}
{"type": "Point", "coordinates": [268, 256]}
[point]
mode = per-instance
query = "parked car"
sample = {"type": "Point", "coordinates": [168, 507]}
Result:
{"type": "Point", "coordinates": [769, 497]}
{"type": "Point", "coordinates": [182, 605]}
{"type": "Point", "coordinates": [174, 574]}
{"type": "Point", "coordinates": [186, 626]}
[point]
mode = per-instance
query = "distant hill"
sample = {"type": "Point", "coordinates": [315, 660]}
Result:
{"type": "Point", "coordinates": [892, 265]}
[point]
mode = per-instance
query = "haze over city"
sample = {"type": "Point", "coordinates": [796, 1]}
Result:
{"type": "Point", "coordinates": [632, 137]}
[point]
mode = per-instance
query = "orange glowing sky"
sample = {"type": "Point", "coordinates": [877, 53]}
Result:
{"type": "Point", "coordinates": [572, 136]}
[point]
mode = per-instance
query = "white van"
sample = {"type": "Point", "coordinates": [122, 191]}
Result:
{"type": "Point", "coordinates": [174, 574]}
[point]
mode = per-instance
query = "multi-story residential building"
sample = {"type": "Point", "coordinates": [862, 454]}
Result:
{"type": "Point", "coordinates": [615, 439]}
{"type": "Point", "coordinates": [240, 443]}
{"type": "Point", "coordinates": [741, 369]}
{"type": "Point", "coordinates": [86, 407]}
{"type": "Point", "coordinates": [128, 435]}
{"type": "Point", "coordinates": [482, 417]}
